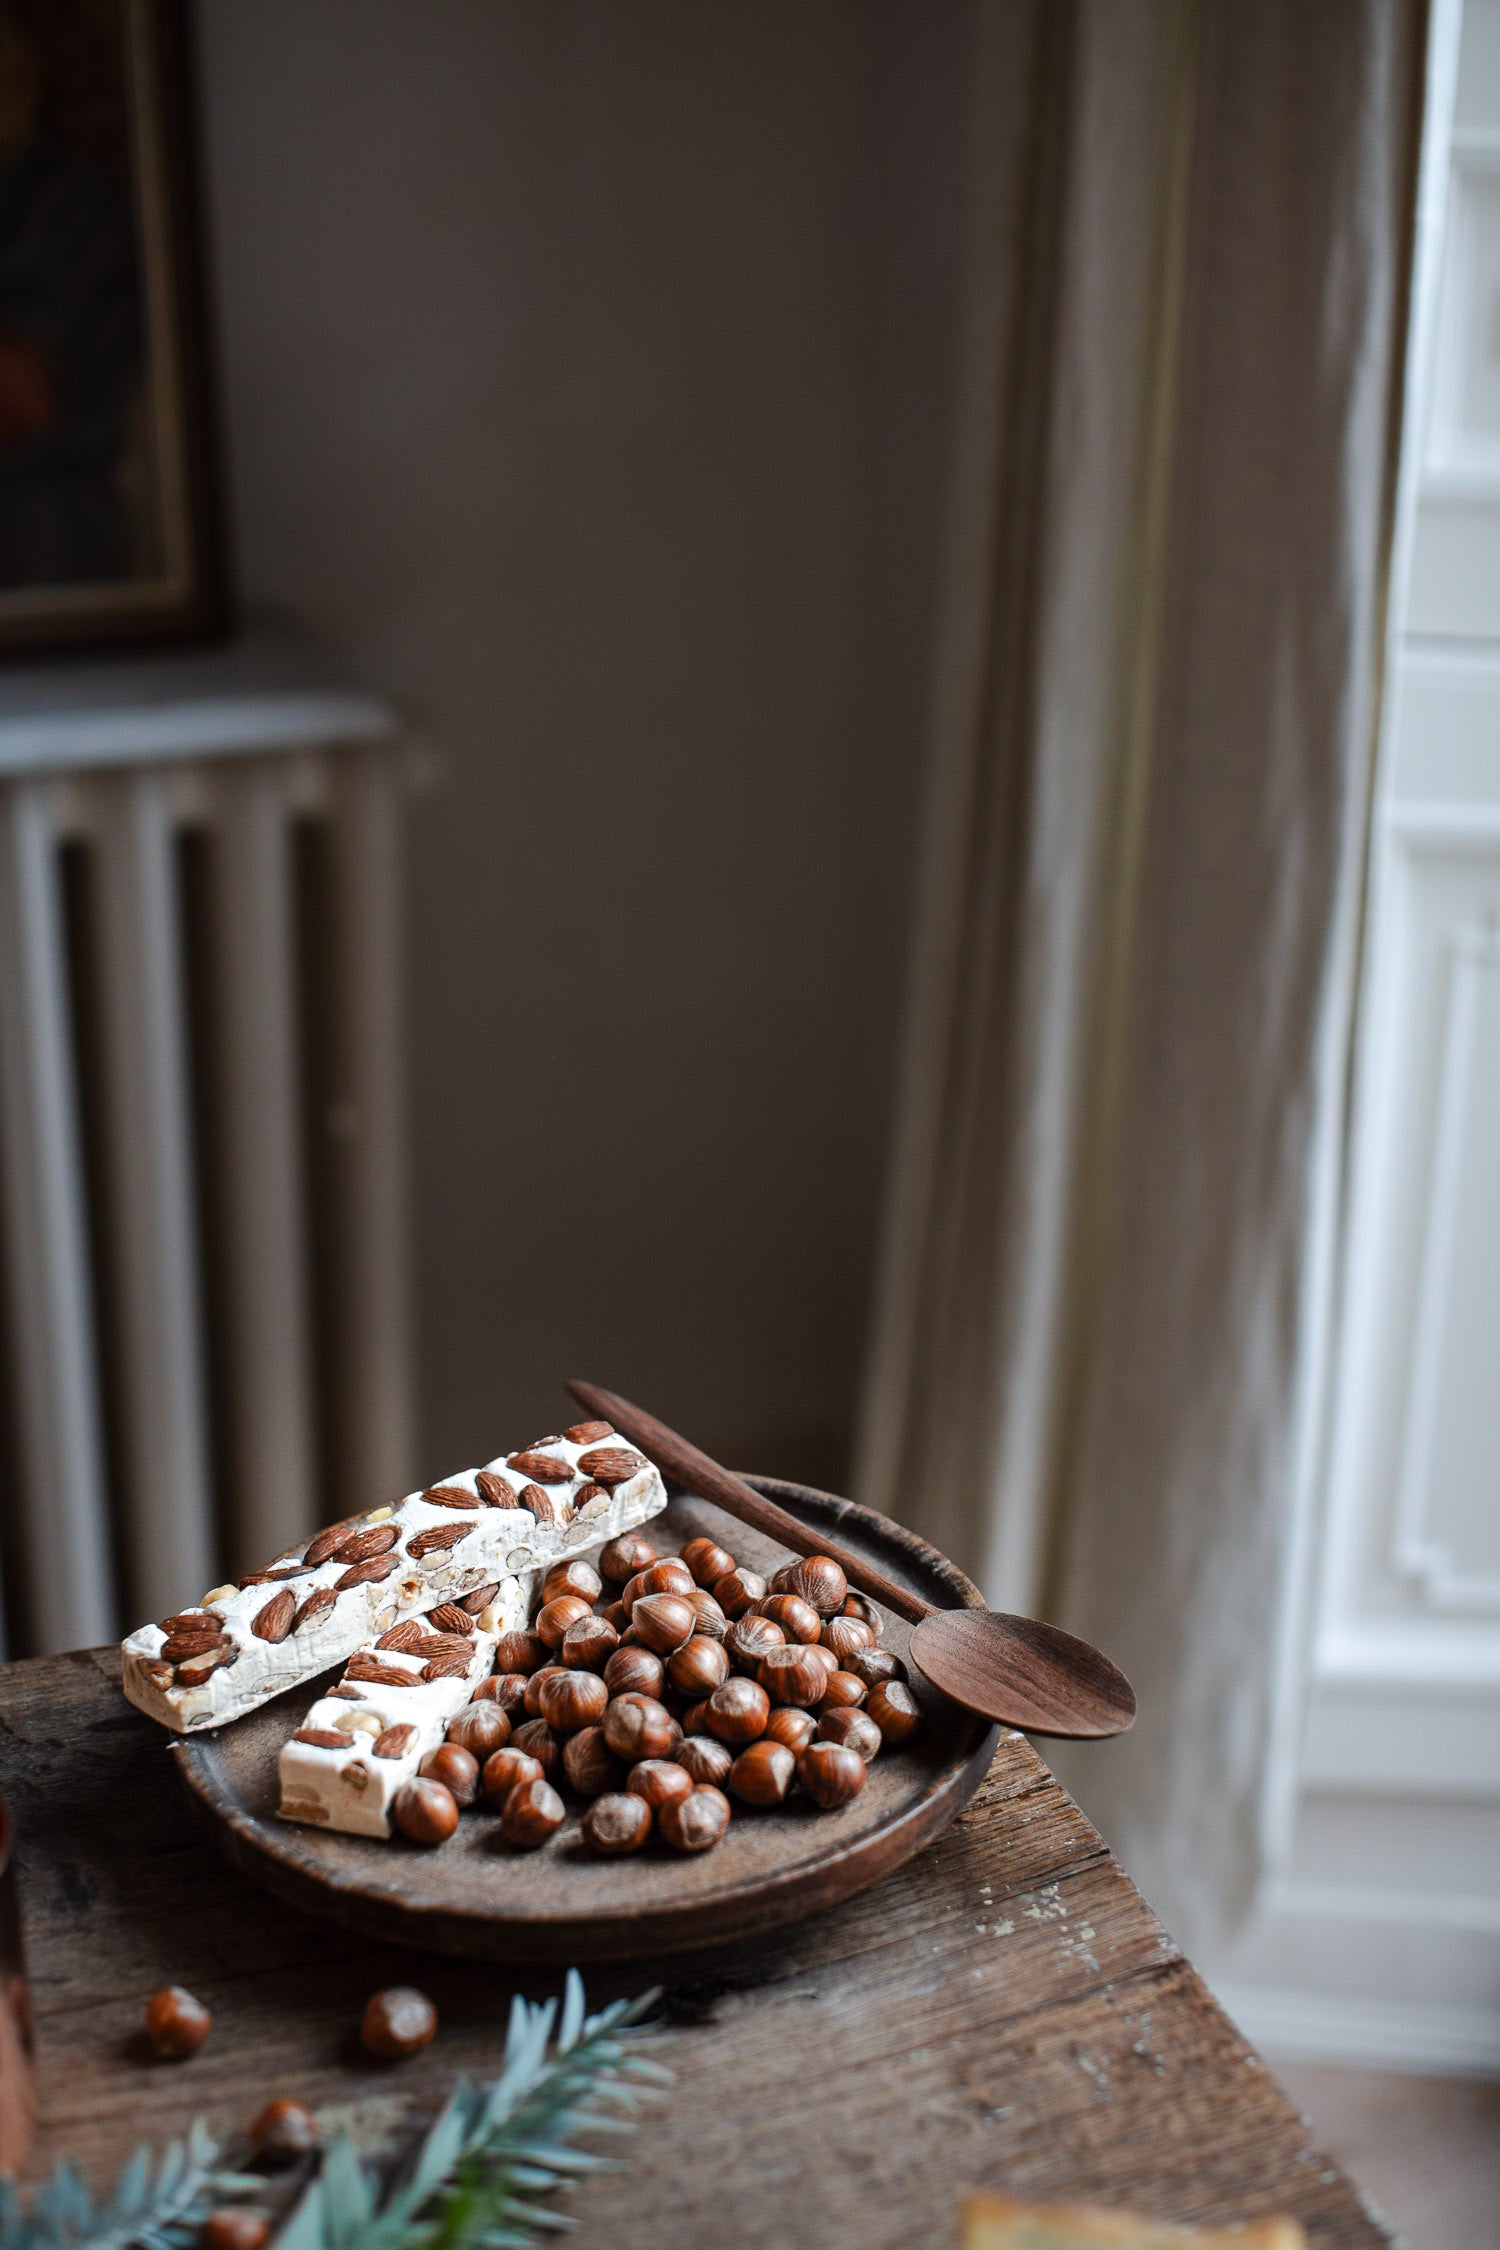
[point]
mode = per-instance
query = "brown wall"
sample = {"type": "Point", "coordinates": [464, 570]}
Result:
{"type": "Point", "coordinates": [587, 368]}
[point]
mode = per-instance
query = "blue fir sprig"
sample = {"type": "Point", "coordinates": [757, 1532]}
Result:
{"type": "Point", "coordinates": [158, 2203]}
{"type": "Point", "coordinates": [493, 2148]}
{"type": "Point", "coordinates": [471, 2185]}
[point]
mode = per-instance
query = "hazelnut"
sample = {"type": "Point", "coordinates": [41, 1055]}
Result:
{"type": "Point", "coordinates": [505, 1771]}
{"type": "Point", "coordinates": [176, 2023]}
{"type": "Point", "coordinates": [737, 1712]}
{"type": "Point", "coordinates": [749, 1638]}
{"type": "Point", "coordinates": [540, 1741]}
{"type": "Point", "coordinates": [668, 1577]}
{"type": "Point", "coordinates": [508, 1689]}
{"type": "Point", "coordinates": [659, 1781]}
{"type": "Point", "coordinates": [588, 1645]}
{"type": "Point", "coordinates": [695, 1718]}
{"type": "Point", "coordinates": [554, 1618]}
{"type": "Point", "coordinates": [624, 1557]}
{"type": "Point", "coordinates": [795, 1728]}
{"type": "Point", "coordinates": [481, 1728]}
{"type": "Point", "coordinates": [895, 1711]}
{"type": "Point", "coordinates": [637, 1726]}
{"type": "Point", "coordinates": [531, 1701]}
{"type": "Point", "coordinates": [698, 1667]}
{"type": "Point", "coordinates": [572, 1578]}
{"type": "Point", "coordinates": [821, 1583]}
{"type": "Point", "coordinates": [823, 1656]}
{"type": "Point", "coordinates": [234, 2228]}
{"type": "Point", "coordinates": [704, 1758]}
{"type": "Point", "coordinates": [872, 1665]}
{"type": "Point", "coordinates": [855, 1728]}
{"type": "Point", "coordinates": [831, 1773]}
{"type": "Point", "coordinates": [797, 1618]}
{"type": "Point", "coordinates": [843, 1635]}
{"type": "Point", "coordinates": [398, 2022]}
{"type": "Point", "coordinates": [571, 1700]}
{"type": "Point", "coordinates": [762, 1774]}
{"type": "Point", "coordinates": [532, 1812]}
{"type": "Point", "coordinates": [283, 2133]}
{"type": "Point", "coordinates": [520, 1652]}
{"type": "Point", "coordinates": [707, 1561]}
{"type": "Point", "coordinates": [842, 1690]}
{"type": "Point", "coordinates": [425, 1811]}
{"type": "Point", "coordinates": [792, 1675]}
{"type": "Point", "coordinates": [663, 1621]}
{"type": "Point", "coordinates": [736, 1590]}
{"type": "Point", "coordinates": [617, 1824]}
{"type": "Point", "coordinates": [590, 1765]}
{"type": "Point", "coordinates": [456, 1768]}
{"type": "Point", "coordinates": [696, 1822]}
{"type": "Point", "coordinates": [711, 1619]}
{"type": "Point", "coordinates": [616, 1614]}
{"type": "Point", "coordinates": [634, 1671]}
{"type": "Point", "coordinates": [858, 1605]}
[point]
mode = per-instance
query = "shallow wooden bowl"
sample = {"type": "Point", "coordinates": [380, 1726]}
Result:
{"type": "Point", "coordinates": [474, 1897]}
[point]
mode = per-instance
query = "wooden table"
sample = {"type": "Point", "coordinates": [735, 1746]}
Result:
{"type": "Point", "coordinates": [1005, 2012]}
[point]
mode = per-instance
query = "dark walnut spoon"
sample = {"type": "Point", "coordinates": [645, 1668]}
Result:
{"type": "Point", "coordinates": [1013, 1670]}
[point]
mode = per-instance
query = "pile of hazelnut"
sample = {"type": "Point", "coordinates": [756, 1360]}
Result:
{"type": "Point", "coordinates": [688, 1683]}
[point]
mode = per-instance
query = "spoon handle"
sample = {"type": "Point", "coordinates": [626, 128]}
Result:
{"type": "Point", "coordinates": [697, 1473]}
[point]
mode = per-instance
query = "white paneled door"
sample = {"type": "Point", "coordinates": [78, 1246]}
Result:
{"type": "Point", "coordinates": [1380, 1938]}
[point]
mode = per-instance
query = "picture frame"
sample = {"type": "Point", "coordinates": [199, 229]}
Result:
{"type": "Point", "coordinates": [109, 506]}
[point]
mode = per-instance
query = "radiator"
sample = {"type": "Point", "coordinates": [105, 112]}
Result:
{"type": "Point", "coordinates": [204, 1279]}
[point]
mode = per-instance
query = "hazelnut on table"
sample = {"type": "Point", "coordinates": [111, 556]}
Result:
{"type": "Point", "coordinates": [176, 2023]}
{"type": "Point", "coordinates": [398, 2022]}
{"type": "Point", "coordinates": [283, 2133]}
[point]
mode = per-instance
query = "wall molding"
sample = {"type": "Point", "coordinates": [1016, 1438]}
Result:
{"type": "Point", "coordinates": [1418, 1552]}
{"type": "Point", "coordinates": [1438, 2042]}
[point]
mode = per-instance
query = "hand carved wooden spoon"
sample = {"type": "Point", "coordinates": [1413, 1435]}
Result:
{"type": "Point", "coordinates": [1014, 1670]}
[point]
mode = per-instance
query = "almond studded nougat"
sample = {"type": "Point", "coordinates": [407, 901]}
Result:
{"type": "Point", "coordinates": [315, 1606]}
{"type": "Point", "coordinates": [361, 1741]}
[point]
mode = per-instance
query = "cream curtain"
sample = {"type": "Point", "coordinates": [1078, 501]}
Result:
{"type": "Point", "coordinates": [1153, 721]}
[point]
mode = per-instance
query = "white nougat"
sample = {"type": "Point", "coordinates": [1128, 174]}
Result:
{"type": "Point", "coordinates": [350, 1785]}
{"type": "Point", "coordinates": [479, 1530]}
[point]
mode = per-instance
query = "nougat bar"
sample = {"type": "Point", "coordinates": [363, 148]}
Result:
{"type": "Point", "coordinates": [361, 1741]}
{"type": "Point", "coordinates": [315, 1605]}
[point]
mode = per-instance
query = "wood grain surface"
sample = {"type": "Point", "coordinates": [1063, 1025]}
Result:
{"type": "Point", "coordinates": [475, 1898]}
{"type": "Point", "coordinates": [1002, 2012]}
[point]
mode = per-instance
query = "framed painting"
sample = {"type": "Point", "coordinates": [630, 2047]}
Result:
{"type": "Point", "coordinates": [108, 527]}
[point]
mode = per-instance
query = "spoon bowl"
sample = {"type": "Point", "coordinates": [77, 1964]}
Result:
{"type": "Point", "coordinates": [1023, 1673]}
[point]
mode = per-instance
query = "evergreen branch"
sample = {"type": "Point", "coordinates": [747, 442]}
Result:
{"type": "Point", "coordinates": [157, 2204]}
{"type": "Point", "coordinates": [471, 2184]}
